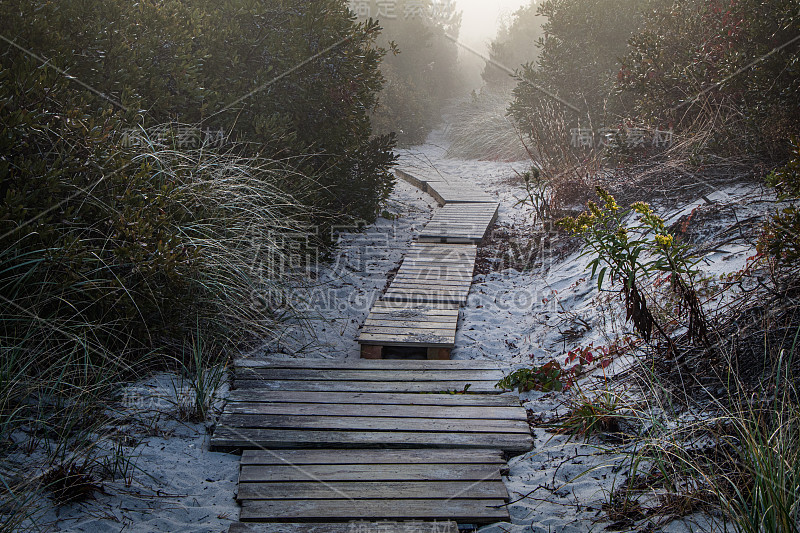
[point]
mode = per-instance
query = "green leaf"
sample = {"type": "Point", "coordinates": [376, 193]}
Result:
{"type": "Point", "coordinates": [600, 279]}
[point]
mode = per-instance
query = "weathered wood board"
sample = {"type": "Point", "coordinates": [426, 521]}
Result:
{"type": "Point", "coordinates": [359, 526]}
{"type": "Point", "coordinates": [458, 192]}
{"type": "Point", "coordinates": [420, 178]}
{"type": "Point", "coordinates": [434, 274]}
{"type": "Point", "coordinates": [444, 188]}
{"type": "Point", "coordinates": [424, 325]}
{"type": "Point", "coordinates": [460, 224]}
{"type": "Point", "coordinates": [388, 404]}
{"type": "Point", "coordinates": [435, 485]}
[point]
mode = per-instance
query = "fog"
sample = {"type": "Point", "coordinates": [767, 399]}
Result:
{"type": "Point", "coordinates": [481, 19]}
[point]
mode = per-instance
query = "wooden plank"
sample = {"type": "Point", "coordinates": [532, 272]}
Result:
{"type": "Point", "coordinates": [440, 259]}
{"type": "Point", "coordinates": [385, 322]}
{"type": "Point", "coordinates": [442, 251]}
{"type": "Point", "coordinates": [426, 322]}
{"type": "Point", "coordinates": [477, 387]}
{"type": "Point", "coordinates": [406, 341]}
{"type": "Point", "coordinates": [453, 291]}
{"type": "Point", "coordinates": [445, 332]}
{"type": "Point", "coordinates": [376, 399]}
{"type": "Point", "coordinates": [393, 490]}
{"type": "Point", "coordinates": [467, 510]}
{"type": "Point", "coordinates": [358, 364]}
{"type": "Point", "coordinates": [419, 282]}
{"type": "Point", "coordinates": [424, 296]}
{"type": "Point", "coordinates": [376, 472]}
{"type": "Point", "coordinates": [371, 352]}
{"type": "Point", "coordinates": [423, 337]}
{"type": "Point", "coordinates": [226, 438]}
{"type": "Point", "coordinates": [419, 178]}
{"type": "Point", "coordinates": [378, 411]}
{"type": "Point", "coordinates": [383, 313]}
{"type": "Point", "coordinates": [450, 264]}
{"type": "Point", "coordinates": [405, 376]}
{"type": "Point", "coordinates": [369, 423]}
{"type": "Point", "coordinates": [428, 292]}
{"type": "Point", "coordinates": [463, 255]}
{"type": "Point", "coordinates": [436, 272]}
{"type": "Point", "coordinates": [407, 279]}
{"type": "Point", "coordinates": [370, 456]}
{"type": "Point", "coordinates": [348, 527]}
{"type": "Point", "coordinates": [394, 305]}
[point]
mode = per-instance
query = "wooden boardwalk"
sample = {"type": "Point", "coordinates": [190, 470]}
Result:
{"type": "Point", "coordinates": [371, 403]}
{"type": "Point", "coordinates": [371, 444]}
{"type": "Point", "coordinates": [409, 324]}
{"type": "Point", "coordinates": [444, 189]}
{"type": "Point", "coordinates": [358, 439]}
{"type": "Point", "coordinates": [435, 275]}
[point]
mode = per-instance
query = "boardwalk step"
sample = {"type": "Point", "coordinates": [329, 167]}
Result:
{"type": "Point", "coordinates": [460, 223]}
{"type": "Point", "coordinates": [351, 527]}
{"type": "Point", "coordinates": [373, 484]}
{"type": "Point", "coordinates": [314, 404]}
{"type": "Point", "coordinates": [411, 324]}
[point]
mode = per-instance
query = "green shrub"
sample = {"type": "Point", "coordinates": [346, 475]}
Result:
{"type": "Point", "coordinates": [110, 252]}
{"type": "Point", "coordinates": [728, 66]}
{"type": "Point", "coordinates": [577, 62]}
{"type": "Point", "coordinates": [781, 238]}
{"type": "Point", "coordinates": [292, 80]}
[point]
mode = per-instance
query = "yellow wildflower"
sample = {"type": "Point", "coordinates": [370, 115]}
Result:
{"type": "Point", "coordinates": [665, 241]}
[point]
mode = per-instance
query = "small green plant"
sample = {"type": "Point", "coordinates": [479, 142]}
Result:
{"type": "Point", "coordinates": [781, 237]}
{"type": "Point", "coordinates": [204, 379]}
{"type": "Point", "coordinates": [119, 464]}
{"type": "Point", "coordinates": [538, 190]}
{"type": "Point", "coordinates": [546, 378]}
{"type": "Point", "coordinates": [590, 415]}
{"type": "Point", "coordinates": [632, 255]}
{"type": "Point", "coordinates": [763, 494]}
{"type": "Point", "coordinates": [553, 376]}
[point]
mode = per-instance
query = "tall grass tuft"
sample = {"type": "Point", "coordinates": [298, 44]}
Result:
{"type": "Point", "coordinates": [481, 130]}
{"type": "Point", "coordinates": [125, 275]}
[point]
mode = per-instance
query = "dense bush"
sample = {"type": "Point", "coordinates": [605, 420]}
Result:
{"type": "Point", "coordinates": [781, 239]}
{"type": "Point", "coordinates": [578, 60]}
{"type": "Point", "coordinates": [122, 231]}
{"type": "Point", "coordinates": [730, 66]}
{"type": "Point", "coordinates": [295, 80]}
{"type": "Point", "coordinates": [110, 251]}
